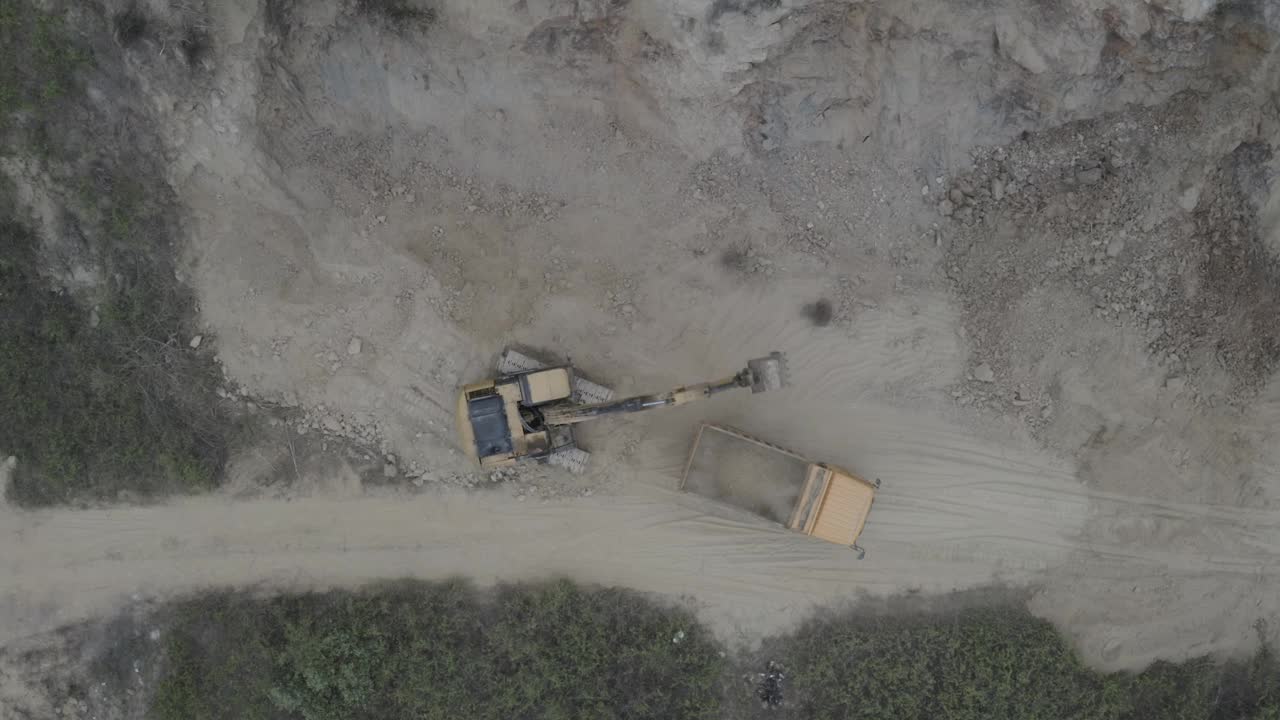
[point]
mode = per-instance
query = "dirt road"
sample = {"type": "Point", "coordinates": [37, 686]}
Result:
{"type": "Point", "coordinates": [954, 513]}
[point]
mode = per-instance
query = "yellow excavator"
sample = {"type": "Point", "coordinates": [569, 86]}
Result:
{"type": "Point", "coordinates": [528, 412]}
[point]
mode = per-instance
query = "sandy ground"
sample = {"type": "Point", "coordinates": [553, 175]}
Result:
{"type": "Point", "coordinates": [660, 193]}
{"type": "Point", "coordinates": [959, 513]}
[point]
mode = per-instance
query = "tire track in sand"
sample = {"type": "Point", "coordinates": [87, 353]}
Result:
{"type": "Point", "coordinates": [958, 525]}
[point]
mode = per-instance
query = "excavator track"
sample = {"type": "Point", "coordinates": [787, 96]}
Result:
{"type": "Point", "coordinates": [571, 458]}
{"type": "Point", "coordinates": [585, 392]}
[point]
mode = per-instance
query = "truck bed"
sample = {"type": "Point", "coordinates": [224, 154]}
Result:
{"type": "Point", "coordinates": [735, 468]}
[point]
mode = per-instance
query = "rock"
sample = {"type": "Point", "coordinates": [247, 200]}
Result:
{"type": "Point", "coordinates": [984, 373]}
{"type": "Point", "coordinates": [154, 635]}
{"type": "Point", "coordinates": [1189, 198]}
{"type": "Point", "coordinates": [1089, 177]}
{"type": "Point", "coordinates": [355, 346]}
{"type": "Point", "coordinates": [1115, 247]}
{"type": "Point", "coordinates": [94, 319]}
{"type": "Point", "coordinates": [956, 196]}
{"type": "Point", "coordinates": [997, 189]}
{"type": "Point", "coordinates": [389, 470]}
{"type": "Point", "coordinates": [1187, 10]}
{"type": "Point", "coordinates": [1018, 42]}
{"type": "Point", "coordinates": [946, 207]}
{"type": "Point", "coordinates": [195, 342]}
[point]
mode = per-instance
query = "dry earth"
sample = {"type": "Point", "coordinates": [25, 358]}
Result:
{"type": "Point", "coordinates": [1022, 257]}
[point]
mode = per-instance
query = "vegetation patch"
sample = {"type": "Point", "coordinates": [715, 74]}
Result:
{"type": "Point", "coordinates": [101, 401]}
{"type": "Point", "coordinates": [438, 650]}
{"type": "Point", "coordinates": [558, 650]}
{"type": "Point", "coordinates": [398, 14]}
{"type": "Point", "coordinates": [103, 397]}
{"type": "Point", "coordinates": [38, 63]}
{"type": "Point", "coordinates": [998, 662]}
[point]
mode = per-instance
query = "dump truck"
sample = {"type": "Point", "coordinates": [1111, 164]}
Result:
{"type": "Point", "coordinates": [814, 498]}
{"type": "Point", "coordinates": [528, 412]}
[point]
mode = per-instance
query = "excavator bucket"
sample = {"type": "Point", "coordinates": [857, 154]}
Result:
{"type": "Point", "coordinates": [768, 373]}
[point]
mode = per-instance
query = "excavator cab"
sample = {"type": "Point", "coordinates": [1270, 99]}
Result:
{"type": "Point", "coordinates": [499, 421]}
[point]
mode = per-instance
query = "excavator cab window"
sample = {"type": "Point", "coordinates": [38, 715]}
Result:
{"type": "Point", "coordinates": [489, 423]}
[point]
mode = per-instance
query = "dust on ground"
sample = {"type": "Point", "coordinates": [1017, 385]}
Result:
{"type": "Point", "coordinates": [1022, 262]}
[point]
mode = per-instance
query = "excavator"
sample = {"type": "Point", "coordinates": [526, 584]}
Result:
{"type": "Point", "coordinates": [529, 411]}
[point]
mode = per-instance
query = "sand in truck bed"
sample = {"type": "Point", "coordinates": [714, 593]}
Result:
{"type": "Point", "coordinates": [741, 473]}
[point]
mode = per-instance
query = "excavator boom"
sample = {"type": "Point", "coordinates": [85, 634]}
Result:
{"type": "Point", "coordinates": [761, 375]}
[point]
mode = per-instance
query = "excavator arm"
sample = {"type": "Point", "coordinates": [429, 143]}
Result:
{"type": "Point", "coordinates": [761, 375]}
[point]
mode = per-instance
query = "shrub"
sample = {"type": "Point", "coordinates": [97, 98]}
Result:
{"type": "Point", "coordinates": [556, 650]}
{"type": "Point", "coordinates": [980, 664]}
{"type": "Point", "coordinates": [101, 393]}
{"type": "Point", "coordinates": [92, 411]}
{"type": "Point", "coordinates": [38, 61]}
{"type": "Point", "coordinates": [433, 651]}
{"type": "Point", "coordinates": [1000, 662]}
{"type": "Point", "coordinates": [399, 14]}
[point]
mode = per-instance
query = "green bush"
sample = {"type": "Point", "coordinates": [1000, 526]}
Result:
{"type": "Point", "coordinates": [218, 662]}
{"type": "Point", "coordinates": [398, 14]}
{"type": "Point", "coordinates": [101, 394]}
{"type": "Point", "coordinates": [91, 411]}
{"type": "Point", "coordinates": [999, 662]}
{"type": "Point", "coordinates": [437, 651]}
{"type": "Point", "coordinates": [570, 653]}
{"type": "Point", "coordinates": [38, 61]}
{"type": "Point", "coordinates": [982, 663]}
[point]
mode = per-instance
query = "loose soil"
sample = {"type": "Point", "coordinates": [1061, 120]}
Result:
{"type": "Point", "coordinates": [751, 477]}
{"type": "Point", "coordinates": [1021, 258]}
